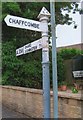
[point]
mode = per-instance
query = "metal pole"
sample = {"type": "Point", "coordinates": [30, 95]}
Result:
{"type": "Point", "coordinates": [45, 67]}
{"type": "Point", "coordinates": [54, 60]}
{"type": "Point", "coordinates": [82, 21]}
{"type": "Point", "coordinates": [82, 41]}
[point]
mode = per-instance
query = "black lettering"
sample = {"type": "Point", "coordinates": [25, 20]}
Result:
{"type": "Point", "coordinates": [34, 48]}
{"type": "Point", "coordinates": [13, 21]}
{"type": "Point", "coordinates": [25, 23]}
{"type": "Point", "coordinates": [27, 50]}
{"type": "Point", "coordinates": [17, 52]}
{"type": "Point", "coordinates": [22, 22]}
{"type": "Point", "coordinates": [18, 21]}
{"type": "Point", "coordinates": [28, 24]}
{"type": "Point", "coordinates": [27, 46]}
{"type": "Point", "coordinates": [33, 25]}
{"type": "Point", "coordinates": [10, 20]}
{"type": "Point", "coordinates": [37, 26]}
{"type": "Point", "coordinates": [20, 51]}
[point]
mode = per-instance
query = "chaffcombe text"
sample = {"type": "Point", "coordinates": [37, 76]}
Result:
{"type": "Point", "coordinates": [23, 23]}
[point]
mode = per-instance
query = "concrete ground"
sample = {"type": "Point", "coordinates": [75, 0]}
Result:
{"type": "Point", "coordinates": [7, 113]}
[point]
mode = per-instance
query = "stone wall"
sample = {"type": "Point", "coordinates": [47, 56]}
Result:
{"type": "Point", "coordinates": [30, 102]}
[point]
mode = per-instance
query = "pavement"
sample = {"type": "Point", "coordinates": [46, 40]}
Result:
{"type": "Point", "coordinates": [7, 113]}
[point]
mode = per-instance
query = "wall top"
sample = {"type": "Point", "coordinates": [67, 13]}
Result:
{"type": "Point", "coordinates": [61, 94]}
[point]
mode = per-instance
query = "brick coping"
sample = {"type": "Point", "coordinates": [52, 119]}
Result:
{"type": "Point", "coordinates": [23, 89]}
{"type": "Point", "coordinates": [63, 94]}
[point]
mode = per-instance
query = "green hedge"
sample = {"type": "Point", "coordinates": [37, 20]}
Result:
{"type": "Point", "coordinates": [26, 70]}
{"type": "Point", "coordinates": [20, 71]}
{"type": "Point", "coordinates": [69, 53]}
{"type": "Point", "coordinates": [62, 55]}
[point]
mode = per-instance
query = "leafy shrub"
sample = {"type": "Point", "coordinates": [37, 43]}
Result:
{"type": "Point", "coordinates": [26, 70]}
{"type": "Point", "coordinates": [62, 55]}
{"type": "Point", "coordinates": [69, 53]}
{"type": "Point", "coordinates": [17, 71]}
{"type": "Point", "coordinates": [11, 66]}
{"type": "Point", "coordinates": [60, 68]}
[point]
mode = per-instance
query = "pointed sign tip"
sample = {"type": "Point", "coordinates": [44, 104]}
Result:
{"type": "Point", "coordinates": [6, 19]}
{"type": "Point", "coordinates": [44, 12]}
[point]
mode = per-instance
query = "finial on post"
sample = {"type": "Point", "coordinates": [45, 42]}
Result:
{"type": "Point", "coordinates": [44, 13]}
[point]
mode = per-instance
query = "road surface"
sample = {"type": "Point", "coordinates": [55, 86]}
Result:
{"type": "Point", "coordinates": [7, 113]}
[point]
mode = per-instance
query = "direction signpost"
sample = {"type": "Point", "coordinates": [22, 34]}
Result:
{"type": "Point", "coordinates": [36, 45]}
{"type": "Point", "coordinates": [43, 43]}
{"type": "Point", "coordinates": [18, 22]}
{"type": "Point", "coordinates": [20, 51]}
{"type": "Point", "coordinates": [30, 47]}
{"type": "Point", "coordinates": [44, 18]}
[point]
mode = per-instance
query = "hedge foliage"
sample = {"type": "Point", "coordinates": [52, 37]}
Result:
{"type": "Point", "coordinates": [26, 70]}
{"type": "Point", "coordinates": [67, 53]}
{"type": "Point", "coordinates": [19, 71]}
{"type": "Point", "coordinates": [62, 55]}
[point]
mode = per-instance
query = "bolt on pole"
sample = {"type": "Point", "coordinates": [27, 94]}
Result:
{"type": "Point", "coordinates": [54, 59]}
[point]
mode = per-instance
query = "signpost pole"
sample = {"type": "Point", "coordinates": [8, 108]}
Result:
{"type": "Point", "coordinates": [54, 59]}
{"type": "Point", "coordinates": [41, 26]}
{"type": "Point", "coordinates": [45, 67]}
